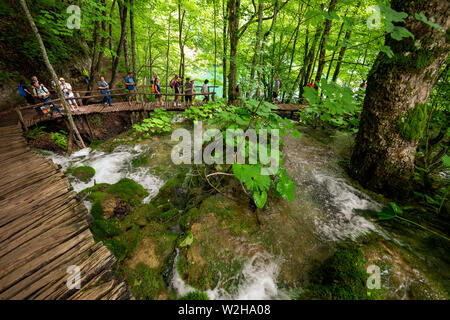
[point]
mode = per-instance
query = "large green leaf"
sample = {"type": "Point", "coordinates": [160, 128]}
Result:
{"type": "Point", "coordinates": [250, 174]}
{"type": "Point", "coordinates": [260, 198]}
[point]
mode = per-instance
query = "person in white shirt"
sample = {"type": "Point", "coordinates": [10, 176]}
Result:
{"type": "Point", "coordinates": [205, 91]}
{"type": "Point", "coordinates": [68, 94]}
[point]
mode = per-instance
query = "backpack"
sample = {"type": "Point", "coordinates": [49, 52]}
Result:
{"type": "Point", "coordinates": [21, 91]}
{"type": "Point", "coordinates": [172, 83]}
{"type": "Point", "coordinates": [153, 87]}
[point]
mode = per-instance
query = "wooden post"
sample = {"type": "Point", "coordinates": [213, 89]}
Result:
{"type": "Point", "coordinates": [22, 122]}
{"type": "Point", "coordinates": [79, 100]}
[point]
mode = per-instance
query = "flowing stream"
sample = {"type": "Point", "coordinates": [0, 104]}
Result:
{"type": "Point", "coordinates": [324, 212]}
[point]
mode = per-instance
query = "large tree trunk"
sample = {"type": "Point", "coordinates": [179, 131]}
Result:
{"type": "Point", "coordinates": [383, 159]}
{"type": "Point", "coordinates": [323, 43]}
{"type": "Point", "coordinates": [347, 36]}
{"type": "Point", "coordinates": [72, 125]}
{"type": "Point", "coordinates": [133, 41]}
{"type": "Point", "coordinates": [126, 47]}
{"type": "Point", "coordinates": [257, 41]}
{"type": "Point", "coordinates": [181, 15]}
{"type": "Point", "coordinates": [233, 27]}
{"type": "Point", "coordinates": [225, 49]}
{"type": "Point", "coordinates": [123, 28]}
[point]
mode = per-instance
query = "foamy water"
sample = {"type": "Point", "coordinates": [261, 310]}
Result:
{"type": "Point", "coordinates": [111, 167]}
{"type": "Point", "coordinates": [259, 276]}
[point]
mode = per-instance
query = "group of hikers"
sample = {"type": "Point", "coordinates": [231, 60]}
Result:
{"type": "Point", "coordinates": [176, 84]}
{"type": "Point", "coordinates": [40, 93]}
{"type": "Point", "coordinates": [187, 90]}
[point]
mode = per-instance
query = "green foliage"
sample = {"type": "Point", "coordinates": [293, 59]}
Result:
{"type": "Point", "coordinates": [83, 173]}
{"type": "Point", "coordinates": [338, 106]}
{"type": "Point", "coordinates": [59, 138]}
{"type": "Point", "coordinates": [188, 240]}
{"type": "Point", "coordinates": [341, 276]}
{"type": "Point", "coordinates": [393, 211]}
{"type": "Point", "coordinates": [158, 123]}
{"type": "Point", "coordinates": [421, 17]}
{"type": "Point", "coordinates": [390, 17]}
{"type": "Point", "coordinates": [36, 132]}
{"type": "Point", "coordinates": [412, 126]}
{"type": "Point", "coordinates": [258, 177]}
{"type": "Point", "coordinates": [195, 295]}
{"type": "Point", "coordinates": [206, 111]}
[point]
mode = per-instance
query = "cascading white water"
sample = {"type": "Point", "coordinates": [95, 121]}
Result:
{"type": "Point", "coordinates": [259, 282]}
{"type": "Point", "coordinates": [340, 221]}
{"type": "Point", "coordinates": [111, 167]}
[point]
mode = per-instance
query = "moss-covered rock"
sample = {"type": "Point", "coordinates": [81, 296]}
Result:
{"type": "Point", "coordinates": [83, 173]}
{"type": "Point", "coordinates": [342, 276]}
{"type": "Point", "coordinates": [146, 283]}
{"type": "Point", "coordinates": [195, 295]}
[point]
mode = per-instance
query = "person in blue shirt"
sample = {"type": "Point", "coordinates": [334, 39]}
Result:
{"type": "Point", "coordinates": [24, 92]}
{"type": "Point", "coordinates": [158, 95]}
{"type": "Point", "coordinates": [131, 87]}
{"type": "Point", "coordinates": [104, 89]}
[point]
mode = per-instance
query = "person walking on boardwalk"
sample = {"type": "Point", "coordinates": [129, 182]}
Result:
{"type": "Point", "coordinates": [205, 91]}
{"type": "Point", "coordinates": [131, 87]}
{"type": "Point", "coordinates": [42, 93]}
{"type": "Point", "coordinates": [276, 90]}
{"type": "Point", "coordinates": [104, 89]}
{"type": "Point", "coordinates": [177, 86]}
{"type": "Point", "coordinates": [26, 93]}
{"type": "Point", "coordinates": [158, 95]}
{"type": "Point", "coordinates": [189, 90]}
{"type": "Point", "coordinates": [66, 88]}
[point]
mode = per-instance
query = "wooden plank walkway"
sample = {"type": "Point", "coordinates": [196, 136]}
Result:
{"type": "Point", "coordinates": [44, 230]}
{"type": "Point", "coordinates": [31, 117]}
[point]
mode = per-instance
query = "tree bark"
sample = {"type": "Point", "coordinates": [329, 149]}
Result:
{"type": "Point", "coordinates": [383, 160]}
{"type": "Point", "coordinates": [225, 48]}
{"type": "Point", "coordinates": [233, 27]}
{"type": "Point", "coordinates": [257, 40]}
{"type": "Point", "coordinates": [52, 72]}
{"type": "Point", "coordinates": [123, 28]}
{"type": "Point", "coordinates": [323, 42]}
{"type": "Point", "coordinates": [133, 41]}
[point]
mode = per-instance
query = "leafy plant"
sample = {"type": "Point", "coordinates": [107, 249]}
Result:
{"type": "Point", "coordinates": [256, 178]}
{"type": "Point", "coordinates": [337, 107]}
{"type": "Point", "coordinates": [393, 211]}
{"type": "Point", "coordinates": [203, 112]}
{"type": "Point", "coordinates": [159, 122]}
{"type": "Point", "coordinates": [59, 138]}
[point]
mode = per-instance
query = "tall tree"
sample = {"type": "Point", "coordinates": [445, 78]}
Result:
{"type": "Point", "coordinates": [52, 72]}
{"type": "Point", "coordinates": [323, 42]}
{"type": "Point", "coordinates": [397, 90]}
{"type": "Point", "coordinates": [133, 40]}
{"type": "Point", "coordinates": [123, 28]}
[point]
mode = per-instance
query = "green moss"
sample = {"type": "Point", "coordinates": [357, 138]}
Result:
{"type": "Point", "coordinates": [117, 247]}
{"type": "Point", "coordinates": [145, 282]}
{"type": "Point", "coordinates": [83, 173]}
{"type": "Point", "coordinates": [342, 276]}
{"type": "Point", "coordinates": [411, 126]}
{"type": "Point", "coordinates": [195, 295]}
{"type": "Point", "coordinates": [103, 229]}
{"type": "Point", "coordinates": [130, 191]}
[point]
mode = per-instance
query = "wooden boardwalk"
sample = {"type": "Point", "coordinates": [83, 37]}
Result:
{"type": "Point", "coordinates": [44, 230]}
{"type": "Point", "coordinates": [31, 117]}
